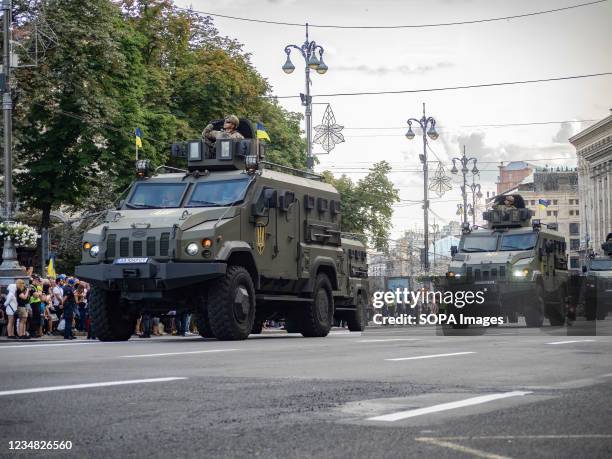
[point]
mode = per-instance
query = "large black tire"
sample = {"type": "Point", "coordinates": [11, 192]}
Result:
{"type": "Point", "coordinates": [111, 319]}
{"type": "Point", "coordinates": [358, 320]}
{"type": "Point", "coordinates": [231, 305]}
{"type": "Point", "coordinates": [201, 318]}
{"type": "Point", "coordinates": [554, 312]}
{"type": "Point", "coordinates": [319, 313]}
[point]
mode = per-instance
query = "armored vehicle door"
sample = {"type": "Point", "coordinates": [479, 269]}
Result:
{"type": "Point", "coordinates": [274, 218]}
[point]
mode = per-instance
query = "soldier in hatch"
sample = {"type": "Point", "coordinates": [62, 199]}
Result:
{"type": "Point", "coordinates": [228, 132]}
{"type": "Point", "coordinates": [507, 205]}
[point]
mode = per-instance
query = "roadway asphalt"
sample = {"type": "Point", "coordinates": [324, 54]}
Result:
{"type": "Point", "coordinates": [387, 392]}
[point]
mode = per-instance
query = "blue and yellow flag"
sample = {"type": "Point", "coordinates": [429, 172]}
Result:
{"type": "Point", "coordinates": [51, 268]}
{"type": "Point", "coordinates": [543, 203]}
{"type": "Point", "coordinates": [138, 138]}
{"type": "Point", "coordinates": [261, 132]}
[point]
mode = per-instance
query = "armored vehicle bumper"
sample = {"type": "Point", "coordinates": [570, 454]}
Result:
{"type": "Point", "coordinates": [148, 276]}
{"type": "Point", "coordinates": [498, 296]}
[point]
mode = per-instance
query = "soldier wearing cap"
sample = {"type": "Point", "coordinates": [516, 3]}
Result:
{"type": "Point", "coordinates": [230, 124]}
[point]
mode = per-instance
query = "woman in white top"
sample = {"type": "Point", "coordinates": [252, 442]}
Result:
{"type": "Point", "coordinates": [11, 308]}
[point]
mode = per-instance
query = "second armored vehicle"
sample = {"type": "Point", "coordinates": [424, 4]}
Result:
{"type": "Point", "coordinates": [519, 265]}
{"type": "Point", "coordinates": [597, 286]}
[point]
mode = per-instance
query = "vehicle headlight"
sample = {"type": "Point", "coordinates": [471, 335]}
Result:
{"type": "Point", "coordinates": [192, 249]}
{"type": "Point", "coordinates": [94, 250]}
{"type": "Point", "coordinates": [520, 272]}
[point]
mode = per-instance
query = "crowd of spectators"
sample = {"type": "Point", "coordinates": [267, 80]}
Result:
{"type": "Point", "coordinates": [45, 306]}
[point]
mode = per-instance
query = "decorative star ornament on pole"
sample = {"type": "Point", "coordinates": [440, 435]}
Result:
{"type": "Point", "coordinates": [440, 182]}
{"type": "Point", "coordinates": [328, 132]}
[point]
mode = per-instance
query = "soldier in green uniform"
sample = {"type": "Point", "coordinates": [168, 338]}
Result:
{"type": "Point", "coordinates": [228, 132]}
{"type": "Point", "coordinates": [507, 205]}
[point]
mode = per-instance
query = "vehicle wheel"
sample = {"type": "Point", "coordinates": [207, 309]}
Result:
{"type": "Point", "coordinates": [555, 314]}
{"type": "Point", "coordinates": [257, 327]}
{"type": "Point", "coordinates": [358, 321]}
{"type": "Point", "coordinates": [590, 309]}
{"type": "Point", "coordinates": [534, 313]}
{"type": "Point", "coordinates": [513, 317]}
{"type": "Point", "coordinates": [292, 325]}
{"type": "Point", "coordinates": [320, 311]}
{"type": "Point", "coordinates": [231, 305]}
{"type": "Point", "coordinates": [201, 318]}
{"type": "Point", "coordinates": [111, 320]}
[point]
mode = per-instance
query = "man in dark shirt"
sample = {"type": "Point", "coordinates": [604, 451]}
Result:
{"type": "Point", "coordinates": [69, 308]}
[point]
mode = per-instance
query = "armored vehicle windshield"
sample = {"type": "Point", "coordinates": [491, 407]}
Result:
{"type": "Point", "coordinates": [601, 264]}
{"type": "Point", "coordinates": [219, 193]}
{"type": "Point", "coordinates": [157, 195]}
{"type": "Point", "coordinates": [496, 242]}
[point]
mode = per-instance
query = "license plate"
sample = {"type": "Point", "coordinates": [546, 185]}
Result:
{"type": "Point", "coordinates": [131, 261]}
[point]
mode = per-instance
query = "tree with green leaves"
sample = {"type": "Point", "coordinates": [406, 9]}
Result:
{"type": "Point", "coordinates": [367, 206]}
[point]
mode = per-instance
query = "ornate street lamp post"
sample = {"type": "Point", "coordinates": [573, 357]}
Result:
{"type": "Point", "coordinates": [308, 50]}
{"type": "Point", "coordinates": [428, 126]}
{"type": "Point", "coordinates": [476, 195]}
{"type": "Point", "coordinates": [465, 162]}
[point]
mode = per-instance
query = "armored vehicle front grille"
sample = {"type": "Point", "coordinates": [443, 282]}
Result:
{"type": "Point", "coordinates": [150, 246]}
{"type": "Point", "coordinates": [124, 247]}
{"type": "Point", "coordinates": [111, 246]}
{"type": "Point", "coordinates": [164, 244]}
{"type": "Point", "coordinates": [494, 272]}
{"type": "Point", "coordinates": [468, 271]}
{"type": "Point", "coordinates": [137, 248]}
{"type": "Point", "coordinates": [502, 271]}
{"type": "Point", "coordinates": [477, 274]}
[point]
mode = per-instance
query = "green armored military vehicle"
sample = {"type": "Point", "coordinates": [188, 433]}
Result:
{"type": "Point", "coordinates": [519, 265]}
{"type": "Point", "coordinates": [597, 286]}
{"type": "Point", "coordinates": [233, 239]}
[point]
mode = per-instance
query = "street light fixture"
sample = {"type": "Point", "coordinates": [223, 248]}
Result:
{"type": "Point", "coordinates": [476, 195]}
{"type": "Point", "coordinates": [465, 162]}
{"type": "Point", "coordinates": [428, 126]}
{"type": "Point", "coordinates": [308, 50]}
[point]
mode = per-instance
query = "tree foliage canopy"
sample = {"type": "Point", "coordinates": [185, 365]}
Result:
{"type": "Point", "coordinates": [118, 65]}
{"type": "Point", "coordinates": [367, 206]}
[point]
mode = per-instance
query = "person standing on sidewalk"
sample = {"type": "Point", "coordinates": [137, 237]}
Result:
{"type": "Point", "coordinates": [69, 303]}
{"type": "Point", "coordinates": [23, 299]}
{"type": "Point", "coordinates": [11, 310]}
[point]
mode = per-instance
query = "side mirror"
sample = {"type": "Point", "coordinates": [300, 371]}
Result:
{"type": "Point", "coordinates": [120, 204]}
{"type": "Point", "coordinates": [454, 250]}
{"type": "Point", "coordinates": [584, 269]}
{"type": "Point", "coordinates": [270, 198]}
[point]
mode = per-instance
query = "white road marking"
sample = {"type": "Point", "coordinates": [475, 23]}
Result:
{"type": "Point", "coordinates": [446, 406]}
{"type": "Point", "coordinates": [519, 437]}
{"type": "Point", "coordinates": [9, 346]}
{"type": "Point", "coordinates": [460, 448]}
{"type": "Point", "coordinates": [573, 341]}
{"type": "Point", "coordinates": [176, 353]}
{"type": "Point", "coordinates": [386, 340]}
{"type": "Point", "coordinates": [433, 356]}
{"type": "Point", "coordinates": [87, 386]}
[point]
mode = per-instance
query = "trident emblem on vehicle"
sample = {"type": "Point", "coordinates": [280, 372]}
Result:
{"type": "Point", "coordinates": [260, 237]}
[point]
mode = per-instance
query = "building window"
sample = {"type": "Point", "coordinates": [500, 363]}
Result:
{"type": "Point", "coordinates": [574, 262]}
{"type": "Point", "coordinates": [555, 202]}
{"type": "Point", "coordinates": [571, 212]}
{"type": "Point", "coordinates": [576, 212]}
{"type": "Point", "coordinates": [574, 244]}
{"type": "Point", "coordinates": [548, 213]}
{"type": "Point", "coordinates": [555, 213]}
{"type": "Point", "coordinates": [574, 229]}
{"type": "Point", "coordinates": [576, 202]}
{"type": "Point", "coordinates": [571, 201]}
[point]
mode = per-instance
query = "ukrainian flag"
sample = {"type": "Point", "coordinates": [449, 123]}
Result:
{"type": "Point", "coordinates": [138, 138]}
{"type": "Point", "coordinates": [543, 203]}
{"type": "Point", "coordinates": [51, 268]}
{"type": "Point", "coordinates": [261, 132]}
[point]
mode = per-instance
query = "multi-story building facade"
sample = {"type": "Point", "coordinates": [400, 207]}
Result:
{"type": "Point", "coordinates": [594, 151]}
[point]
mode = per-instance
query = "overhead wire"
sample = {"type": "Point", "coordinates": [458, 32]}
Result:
{"type": "Point", "coordinates": [450, 88]}
{"type": "Point", "coordinates": [389, 27]}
